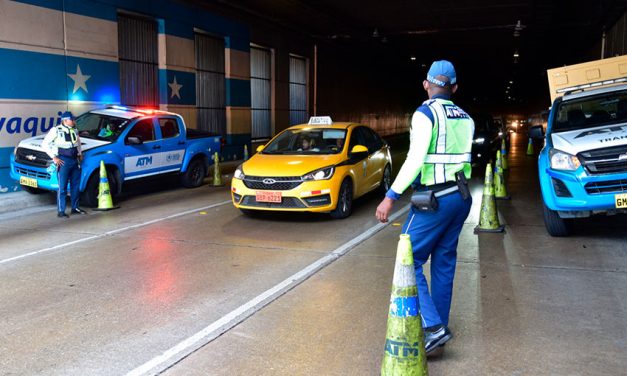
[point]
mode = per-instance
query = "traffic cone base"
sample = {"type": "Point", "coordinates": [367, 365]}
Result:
{"type": "Point", "coordinates": [404, 352]}
{"type": "Point", "coordinates": [104, 192]}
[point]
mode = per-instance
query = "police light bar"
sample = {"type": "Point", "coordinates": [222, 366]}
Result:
{"type": "Point", "coordinates": [592, 85]}
{"type": "Point", "coordinates": [320, 120]}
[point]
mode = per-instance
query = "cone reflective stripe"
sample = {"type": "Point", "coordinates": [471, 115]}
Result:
{"type": "Point", "coordinates": [104, 192]}
{"type": "Point", "coordinates": [245, 152]}
{"type": "Point", "coordinates": [404, 352]}
{"type": "Point", "coordinates": [500, 190]}
{"type": "Point", "coordinates": [504, 163]}
{"type": "Point", "coordinates": [488, 218]}
{"type": "Point", "coordinates": [530, 147]}
{"type": "Point", "coordinates": [217, 175]}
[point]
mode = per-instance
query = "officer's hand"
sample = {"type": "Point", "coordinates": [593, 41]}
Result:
{"type": "Point", "coordinates": [384, 209]}
{"type": "Point", "coordinates": [80, 158]}
{"type": "Point", "coordinates": [58, 161]}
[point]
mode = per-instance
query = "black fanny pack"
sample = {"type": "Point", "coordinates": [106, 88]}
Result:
{"type": "Point", "coordinates": [425, 201]}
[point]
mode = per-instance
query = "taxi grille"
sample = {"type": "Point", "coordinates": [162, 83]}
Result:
{"type": "Point", "coordinates": [611, 186]}
{"type": "Point", "coordinates": [32, 157]}
{"type": "Point", "coordinates": [605, 161]}
{"type": "Point", "coordinates": [32, 173]}
{"type": "Point", "coordinates": [281, 183]}
{"type": "Point", "coordinates": [286, 203]}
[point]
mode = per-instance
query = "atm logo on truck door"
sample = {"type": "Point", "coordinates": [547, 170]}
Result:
{"type": "Point", "coordinates": [144, 161]}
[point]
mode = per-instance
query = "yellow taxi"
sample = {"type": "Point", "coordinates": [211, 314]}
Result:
{"type": "Point", "coordinates": [316, 167]}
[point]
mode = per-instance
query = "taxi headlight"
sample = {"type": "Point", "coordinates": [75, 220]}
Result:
{"type": "Point", "coordinates": [239, 173]}
{"type": "Point", "coordinates": [563, 161]}
{"type": "Point", "coordinates": [479, 140]}
{"type": "Point", "coordinates": [321, 174]}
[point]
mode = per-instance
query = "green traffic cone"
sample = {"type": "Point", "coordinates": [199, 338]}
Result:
{"type": "Point", "coordinates": [530, 150]}
{"type": "Point", "coordinates": [500, 190]}
{"type": "Point", "coordinates": [504, 155]}
{"type": "Point", "coordinates": [489, 218]}
{"type": "Point", "coordinates": [105, 202]}
{"type": "Point", "coordinates": [405, 342]}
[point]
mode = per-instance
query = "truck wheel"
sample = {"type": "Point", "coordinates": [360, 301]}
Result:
{"type": "Point", "coordinates": [33, 191]}
{"type": "Point", "coordinates": [89, 197]}
{"type": "Point", "coordinates": [555, 225]}
{"type": "Point", "coordinates": [344, 206]}
{"type": "Point", "coordinates": [195, 174]}
{"type": "Point", "coordinates": [386, 180]}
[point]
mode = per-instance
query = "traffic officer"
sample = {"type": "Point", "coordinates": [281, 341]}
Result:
{"type": "Point", "coordinates": [63, 145]}
{"type": "Point", "coordinates": [437, 166]}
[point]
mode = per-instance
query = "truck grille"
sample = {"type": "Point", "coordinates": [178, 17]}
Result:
{"type": "Point", "coordinates": [286, 203]}
{"type": "Point", "coordinates": [32, 157]}
{"type": "Point", "coordinates": [611, 186]}
{"type": "Point", "coordinates": [32, 173]}
{"type": "Point", "coordinates": [281, 183]}
{"type": "Point", "coordinates": [605, 161]}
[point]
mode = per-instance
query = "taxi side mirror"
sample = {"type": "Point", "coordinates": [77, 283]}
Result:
{"type": "Point", "coordinates": [260, 148]}
{"type": "Point", "coordinates": [359, 150]}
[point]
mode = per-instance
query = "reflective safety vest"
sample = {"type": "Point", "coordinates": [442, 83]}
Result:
{"type": "Point", "coordinates": [62, 138]}
{"type": "Point", "coordinates": [451, 143]}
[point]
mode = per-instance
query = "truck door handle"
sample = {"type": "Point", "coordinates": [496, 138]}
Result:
{"type": "Point", "coordinates": [156, 147]}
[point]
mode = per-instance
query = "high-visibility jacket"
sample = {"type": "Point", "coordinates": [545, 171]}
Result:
{"type": "Point", "coordinates": [62, 140]}
{"type": "Point", "coordinates": [451, 143]}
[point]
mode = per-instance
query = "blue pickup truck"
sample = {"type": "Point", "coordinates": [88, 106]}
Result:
{"type": "Point", "coordinates": [133, 143]}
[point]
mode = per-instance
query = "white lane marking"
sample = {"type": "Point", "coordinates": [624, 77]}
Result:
{"type": "Point", "coordinates": [109, 233]}
{"type": "Point", "coordinates": [184, 348]}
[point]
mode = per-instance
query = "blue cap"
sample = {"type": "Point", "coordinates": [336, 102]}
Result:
{"type": "Point", "coordinates": [67, 115]}
{"type": "Point", "coordinates": [442, 68]}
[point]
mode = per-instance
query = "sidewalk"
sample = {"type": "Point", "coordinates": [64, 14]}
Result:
{"type": "Point", "coordinates": [14, 201]}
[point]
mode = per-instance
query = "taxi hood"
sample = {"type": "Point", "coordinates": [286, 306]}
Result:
{"type": "Point", "coordinates": [288, 165]}
{"type": "Point", "coordinates": [34, 143]}
{"type": "Point", "coordinates": [579, 140]}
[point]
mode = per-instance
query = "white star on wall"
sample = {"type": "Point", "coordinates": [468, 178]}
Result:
{"type": "Point", "coordinates": [176, 88]}
{"type": "Point", "coordinates": [80, 79]}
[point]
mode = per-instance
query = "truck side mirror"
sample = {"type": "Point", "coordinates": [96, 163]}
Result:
{"type": "Point", "coordinates": [536, 132]}
{"type": "Point", "coordinates": [134, 141]}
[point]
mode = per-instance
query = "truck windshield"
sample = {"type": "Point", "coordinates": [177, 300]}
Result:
{"type": "Point", "coordinates": [308, 141]}
{"type": "Point", "coordinates": [602, 109]}
{"type": "Point", "coordinates": [100, 127]}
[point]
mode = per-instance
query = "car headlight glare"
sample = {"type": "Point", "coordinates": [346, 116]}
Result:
{"type": "Point", "coordinates": [479, 140]}
{"type": "Point", "coordinates": [563, 161]}
{"type": "Point", "coordinates": [239, 173]}
{"type": "Point", "coordinates": [321, 174]}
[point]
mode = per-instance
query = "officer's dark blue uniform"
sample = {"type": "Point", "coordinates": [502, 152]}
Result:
{"type": "Point", "coordinates": [63, 144]}
{"type": "Point", "coordinates": [438, 160]}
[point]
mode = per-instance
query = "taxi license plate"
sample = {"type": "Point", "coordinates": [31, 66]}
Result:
{"type": "Point", "coordinates": [621, 201]}
{"type": "Point", "coordinates": [274, 197]}
{"type": "Point", "coordinates": [29, 182]}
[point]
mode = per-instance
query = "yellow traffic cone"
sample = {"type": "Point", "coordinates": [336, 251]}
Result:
{"type": "Point", "coordinates": [500, 190]}
{"type": "Point", "coordinates": [405, 342]}
{"type": "Point", "coordinates": [217, 174]}
{"type": "Point", "coordinates": [504, 155]}
{"type": "Point", "coordinates": [488, 218]}
{"type": "Point", "coordinates": [530, 150]}
{"type": "Point", "coordinates": [245, 152]}
{"type": "Point", "coordinates": [104, 193]}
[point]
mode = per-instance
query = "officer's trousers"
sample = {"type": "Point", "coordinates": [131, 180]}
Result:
{"type": "Point", "coordinates": [70, 171]}
{"type": "Point", "coordinates": [435, 235]}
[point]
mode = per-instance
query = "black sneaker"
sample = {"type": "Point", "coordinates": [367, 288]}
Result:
{"type": "Point", "coordinates": [436, 338]}
{"type": "Point", "coordinates": [78, 211]}
{"type": "Point", "coordinates": [62, 215]}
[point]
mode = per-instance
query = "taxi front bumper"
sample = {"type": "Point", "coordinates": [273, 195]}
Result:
{"type": "Point", "coordinates": [306, 196]}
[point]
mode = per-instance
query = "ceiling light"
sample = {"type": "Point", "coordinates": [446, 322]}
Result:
{"type": "Point", "coordinates": [412, 58]}
{"type": "Point", "coordinates": [375, 33]}
{"type": "Point", "coordinates": [516, 53]}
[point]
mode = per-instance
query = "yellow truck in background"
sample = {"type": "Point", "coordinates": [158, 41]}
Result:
{"type": "Point", "coordinates": [583, 165]}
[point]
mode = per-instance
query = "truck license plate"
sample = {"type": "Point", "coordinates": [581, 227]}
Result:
{"type": "Point", "coordinates": [621, 201]}
{"type": "Point", "coordinates": [274, 197]}
{"type": "Point", "coordinates": [29, 182]}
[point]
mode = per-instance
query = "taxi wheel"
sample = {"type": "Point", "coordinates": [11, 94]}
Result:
{"type": "Point", "coordinates": [386, 180]}
{"type": "Point", "coordinates": [195, 174]}
{"type": "Point", "coordinates": [344, 206]}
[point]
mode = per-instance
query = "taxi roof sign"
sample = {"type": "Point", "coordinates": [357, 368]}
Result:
{"type": "Point", "coordinates": [320, 120]}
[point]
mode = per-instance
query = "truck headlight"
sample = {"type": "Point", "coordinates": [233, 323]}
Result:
{"type": "Point", "coordinates": [478, 141]}
{"type": "Point", "coordinates": [321, 174]}
{"type": "Point", "coordinates": [563, 161]}
{"type": "Point", "coordinates": [239, 173]}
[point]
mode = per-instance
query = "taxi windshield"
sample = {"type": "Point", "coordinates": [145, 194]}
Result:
{"type": "Point", "coordinates": [308, 141]}
{"type": "Point", "coordinates": [100, 127]}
